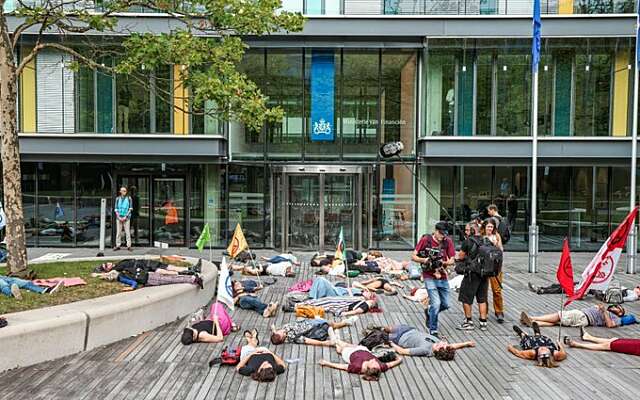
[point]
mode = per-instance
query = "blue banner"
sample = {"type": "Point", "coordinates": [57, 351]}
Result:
{"type": "Point", "coordinates": [323, 73]}
{"type": "Point", "coordinates": [537, 35]}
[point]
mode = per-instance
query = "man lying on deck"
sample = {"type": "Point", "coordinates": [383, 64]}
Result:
{"type": "Point", "coordinates": [538, 347]}
{"type": "Point", "coordinates": [313, 332]}
{"type": "Point", "coordinates": [610, 317]}
{"type": "Point", "coordinates": [408, 341]}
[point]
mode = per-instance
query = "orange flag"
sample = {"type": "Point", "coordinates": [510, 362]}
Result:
{"type": "Point", "coordinates": [238, 243]}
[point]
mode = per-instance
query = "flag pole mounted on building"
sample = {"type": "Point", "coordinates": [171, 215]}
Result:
{"type": "Point", "coordinates": [535, 61]}
{"type": "Point", "coordinates": [632, 244]}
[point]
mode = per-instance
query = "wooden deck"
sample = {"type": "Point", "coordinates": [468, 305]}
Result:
{"type": "Point", "coordinates": [155, 365]}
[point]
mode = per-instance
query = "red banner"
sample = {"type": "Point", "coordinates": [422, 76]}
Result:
{"type": "Point", "coordinates": [565, 270]}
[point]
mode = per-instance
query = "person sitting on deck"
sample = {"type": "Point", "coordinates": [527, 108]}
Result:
{"type": "Point", "coordinates": [408, 341]}
{"type": "Point", "coordinates": [259, 363]}
{"type": "Point", "coordinates": [313, 332]}
{"type": "Point", "coordinates": [537, 347]}
{"type": "Point", "coordinates": [611, 317]}
{"type": "Point", "coordinates": [378, 285]}
{"type": "Point", "coordinates": [359, 360]}
{"type": "Point", "coordinates": [210, 330]}
{"type": "Point", "coordinates": [616, 345]}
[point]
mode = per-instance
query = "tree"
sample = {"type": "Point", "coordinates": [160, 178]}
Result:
{"type": "Point", "coordinates": [207, 42]}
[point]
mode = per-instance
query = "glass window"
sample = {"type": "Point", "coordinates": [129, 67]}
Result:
{"type": "Point", "coordinates": [510, 194]}
{"type": "Point", "coordinates": [360, 106]}
{"type": "Point", "coordinates": [440, 180]}
{"type": "Point", "coordinates": [593, 75]}
{"type": "Point", "coordinates": [94, 183]}
{"type": "Point", "coordinates": [161, 87]}
{"type": "Point", "coordinates": [214, 206]}
{"type": "Point", "coordinates": [247, 194]}
{"type": "Point", "coordinates": [513, 103]}
{"type": "Point", "coordinates": [85, 99]}
{"type": "Point", "coordinates": [395, 223]}
{"type": "Point", "coordinates": [554, 186]}
{"type": "Point", "coordinates": [398, 97]}
{"type": "Point", "coordinates": [440, 82]}
{"type": "Point", "coordinates": [132, 105]}
{"type": "Point", "coordinates": [56, 222]}
{"type": "Point", "coordinates": [284, 88]}
{"type": "Point", "coordinates": [484, 91]}
{"type": "Point", "coordinates": [29, 185]}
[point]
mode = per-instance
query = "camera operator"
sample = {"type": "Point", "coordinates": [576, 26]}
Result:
{"type": "Point", "coordinates": [473, 285]}
{"type": "Point", "coordinates": [435, 253]}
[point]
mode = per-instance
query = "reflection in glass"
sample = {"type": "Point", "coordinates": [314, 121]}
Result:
{"type": "Point", "coordinates": [132, 105]}
{"type": "Point", "coordinates": [593, 94]}
{"type": "Point", "coordinates": [513, 100]}
{"type": "Point", "coordinates": [304, 211]}
{"type": "Point", "coordinates": [246, 202]}
{"type": "Point", "coordinates": [440, 94]}
{"type": "Point", "coordinates": [93, 184]}
{"type": "Point", "coordinates": [395, 217]}
{"type": "Point", "coordinates": [85, 100]}
{"type": "Point", "coordinates": [56, 223]}
{"type": "Point", "coordinates": [484, 92]}
{"type": "Point", "coordinates": [339, 209]}
{"type": "Point", "coordinates": [398, 97]}
{"type": "Point", "coordinates": [169, 211]}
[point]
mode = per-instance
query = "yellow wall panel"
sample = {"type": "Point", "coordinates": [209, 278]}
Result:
{"type": "Point", "coordinates": [565, 7]}
{"type": "Point", "coordinates": [28, 97]}
{"type": "Point", "coordinates": [180, 102]}
{"type": "Point", "coordinates": [621, 95]}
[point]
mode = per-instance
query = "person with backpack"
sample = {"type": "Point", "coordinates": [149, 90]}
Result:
{"type": "Point", "coordinates": [435, 271]}
{"type": "Point", "coordinates": [313, 332]}
{"type": "Point", "coordinates": [503, 226]}
{"type": "Point", "coordinates": [123, 208]}
{"type": "Point", "coordinates": [489, 232]}
{"type": "Point", "coordinates": [473, 285]}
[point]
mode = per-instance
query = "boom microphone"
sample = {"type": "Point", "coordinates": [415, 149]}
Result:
{"type": "Point", "coordinates": [391, 149]}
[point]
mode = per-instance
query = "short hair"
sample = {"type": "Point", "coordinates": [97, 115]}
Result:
{"type": "Point", "coordinates": [277, 338]}
{"type": "Point", "coordinates": [375, 253]}
{"type": "Point", "coordinates": [371, 374]}
{"type": "Point", "coordinates": [446, 353]}
{"type": "Point", "coordinates": [187, 337]}
{"type": "Point", "coordinates": [492, 207]}
{"type": "Point", "coordinates": [264, 375]}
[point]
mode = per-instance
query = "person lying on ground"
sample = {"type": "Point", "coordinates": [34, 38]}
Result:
{"type": "Point", "coordinates": [418, 295]}
{"type": "Point", "coordinates": [131, 265]}
{"type": "Point", "coordinates": [538, 347]}
{"type": "Point", "coordinates": [343, 306]}
{"type": "Point", "coordinates": [335, 268]}
{"type": "Point", "coordinates": [259, 363]}
{"type": "Point", "coordinates": [246, 286]}
{"type": "Point", "coordinates": [249, 301]}
{"type": "Point", "coordinates": [378, 285]}
{"type": "Point", "coordinates": [143, 278]}
{"type": "Point", "coordinates": [321, 260]}
{"type": "Point", "coordinates": [610, 317]}
{"type": "Point", "coordinates": [616, 345]}
{"type": "Point", "coordinates": [313, 332]}
{"type": "Point", "coordinates": [408, 341]}
{"type": "Point", "coordinates": [321, 288]}
{"type": "Point", "coordinates": [282, 258]}
{"type": "Point", "coordinates": [10, 287]}
{"type": "Point", "coordinates": [555, 288]}
{"type": "Point", "coordinates": [359, 360]}
{"type": "Point", "coordinates": [284, 268]}
{"type": "Point", "coordinates": [211, 330]}
{"type": "Point", "coordinates": [375, 262]}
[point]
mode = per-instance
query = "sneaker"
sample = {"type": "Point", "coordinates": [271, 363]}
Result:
{"type": "Point", "coordinates": [435, 333]}
{"type": "Point", "coordinates": [525, 319]}
{"type": "Point", "coordinates": [56, 288]}
{"type": "Point", "coordinates": [198, 281]}
{"type": "Point", "coordinates": [197, 316]}
{"type": "Point", "coordinates": [466, 326]}
{"type": "Point", "coordinates": [483, 325]}
{"type": "Point", "coordinates": [517, 330]}
{"type": "Point", "coordinates": [532, 287]}
{"type": "Point", "coordinates": [116, 248]}
{"type": "Point", "coordinates": [15, 291]}
{"type": "Point", "coordinates": [198, 266]}
{"type": "Point", "coordinates": [500, 318]}
{"type": "Point", "coordinates": [351, 320]}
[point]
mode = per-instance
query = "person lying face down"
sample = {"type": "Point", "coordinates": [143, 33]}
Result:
{"type": "Point", "coordinates": [408, 341]}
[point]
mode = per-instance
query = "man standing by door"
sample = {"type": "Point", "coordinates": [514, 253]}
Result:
{"type": "Point", "coordinates": [123, 208]}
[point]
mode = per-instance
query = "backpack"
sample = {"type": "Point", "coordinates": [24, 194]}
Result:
{"type": "Point", "coordinates": [227, 357]}
{"type": "Point", "coordinates": [488, 261]}
{"type": "Point", "coordinates": [503, 230]}
{"type": "Point", "coordinates": [384, 354]}
{"type": "Point", "coordinates": [613, 294]}
{"type": "Point", "coordinates": [318, 332]}
{"type": "Point", "coordinates": [373, 338]}
{"type": "Point", "coordinates": [415, 271]}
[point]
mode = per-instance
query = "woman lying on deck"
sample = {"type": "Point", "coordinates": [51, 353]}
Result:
{"type": "Point", "coordinates": [378, 285]}
{"type": "Point", "coordinates": [260, 363]}
{"type": "Point", "coordinates": [343, 306]}
{"type": "Point", "coordinates": [210, 330]}
{"type": "Point", "coordinates": [616, 345]}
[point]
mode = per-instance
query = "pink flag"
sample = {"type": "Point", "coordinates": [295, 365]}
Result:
{"type": "Point", "coordinates": [600, 270]}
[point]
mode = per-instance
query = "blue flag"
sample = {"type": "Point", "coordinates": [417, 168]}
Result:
{"type": "Point", "coordinates": [537, 36]}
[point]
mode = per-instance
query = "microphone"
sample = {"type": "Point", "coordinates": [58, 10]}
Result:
{"type": "Point", "coordinates": [391, 149]}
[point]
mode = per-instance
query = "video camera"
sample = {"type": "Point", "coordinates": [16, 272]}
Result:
{"type": "Point", "coordinates": [433, 257]}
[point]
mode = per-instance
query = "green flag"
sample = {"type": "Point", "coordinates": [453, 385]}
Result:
{"type": "Point", "coordinates": [205, 237]}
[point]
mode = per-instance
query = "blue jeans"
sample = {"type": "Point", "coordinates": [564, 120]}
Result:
{"type": "Point", "coordinates": [438, 290]}
{"type": "Point", "coordinates": [277, 259]}
{"type": "Point", "coordinates": [6, 282]}
{"type": "Point", "coordinates": [252, 303]}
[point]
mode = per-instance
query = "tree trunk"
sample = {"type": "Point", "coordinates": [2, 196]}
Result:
{"type": "Point", "coordinates": [11, 175]}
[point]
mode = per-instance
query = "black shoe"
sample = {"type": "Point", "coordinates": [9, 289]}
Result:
{"type": "Point", "coordinates": [215, 361]}
{"type": "Point", "coordinates": [436, 334]}
{"type": "Point", "coordinates": [426, 314]}
{"type": "Point", "coordinates": [533, 287]}
{"type": "Point", "coordinates": [536, 328]}
{"type": "Point", "coordinates": [517, 330]}
{"type": "Point", "coordinates": [500, 318]}
{"type": "Point", "coordinates": [198, 267]}
{"type": "Point", "coordinates": [199, 282]}
{"type": "Point", "coordinates": [187, 272]}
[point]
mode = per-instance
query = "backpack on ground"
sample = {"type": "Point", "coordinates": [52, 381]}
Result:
{"type": "Point", "coordinates": [488, 261]}
{"type": "Point", "coordinates": [415, 271]}
{"type": "Point", "coordinates": [318, 332]}
{"type": "Point", "coordinates": [613, 294]}
{"type": "Point", "coordinates": [227, 357]}
{"type": "Point", "coordinates": [373, 338]}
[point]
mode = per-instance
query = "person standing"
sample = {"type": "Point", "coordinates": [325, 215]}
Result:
{"type": "Point", "coordinates": [435, 276]}
{"type": "Point", "coordinates": [135, 213]}
{"type": "Point", "coordinates": [489, 231]}
{"type": "Point", "coordinates": [473, 285]}
{"type": "Point", "coordinates": [123, 208]}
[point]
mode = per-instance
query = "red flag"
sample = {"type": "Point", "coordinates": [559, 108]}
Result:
{"type": "Point", "coordinates": [565, 270]}
{"type": "Point", "coordinates": [600, 270]}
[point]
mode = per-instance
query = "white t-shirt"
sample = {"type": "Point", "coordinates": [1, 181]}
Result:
{"type": "Point", "coordinates": [278, 269]}
{"type": "Point", "coordinates": [346, 353]}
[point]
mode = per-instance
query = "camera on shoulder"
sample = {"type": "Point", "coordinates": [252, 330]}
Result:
{"type": "Point", "coordinates": [433, 259]}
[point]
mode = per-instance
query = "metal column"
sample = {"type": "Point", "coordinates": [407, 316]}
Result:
{"type": "Point", "coordinates": [632, 242]}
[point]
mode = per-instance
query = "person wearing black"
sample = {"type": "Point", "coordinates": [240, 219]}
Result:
{"type": "Point", "coordinates": [473, 285]}
{"type": "Point", "coordinates": [538, 347]}
{"type": "Point", "coordinates": [259, 363]}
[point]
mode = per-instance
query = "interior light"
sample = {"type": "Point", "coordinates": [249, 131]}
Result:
{"type": "Point", "coordinates": [586, 68]}
{"type": "Point", "coordinates": [546, 67]}
{"type": "Point", "coordinates": [464, 68]}
{"type": "Point", "coordinates": [504, 67]}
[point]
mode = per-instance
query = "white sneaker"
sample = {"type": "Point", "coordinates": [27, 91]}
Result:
{"type": "Point", "coordinates": [351, 320]}
{"type": "Point", "coordinates": [15, 291]}
{"type": "Point", "coordinates": [197, 316]}
{"type": "Point", "coordinates": [57, 287]}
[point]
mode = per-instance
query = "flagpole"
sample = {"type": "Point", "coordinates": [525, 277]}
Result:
{"type": "Point", "coordinates": [561, 312]}
{"type": "Point", "coordinates": [535, 58]}
{"type": "Point", "coordinates": [253, 262]}
{"type": "Point", "coordinates": [632, 244]}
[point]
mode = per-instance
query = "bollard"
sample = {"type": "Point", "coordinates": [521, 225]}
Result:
{"type": "Point", "coordinates": [103, 223]}
{"type": "Point", "coordinates": [632, 248]}
{"type": "Point", "coordinates": [533, 249]}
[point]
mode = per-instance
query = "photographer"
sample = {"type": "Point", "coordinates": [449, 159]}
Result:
{"type": "Point", "coordinates": [473, 285]}
{"type": "Point", "coordinates": [435, 253]}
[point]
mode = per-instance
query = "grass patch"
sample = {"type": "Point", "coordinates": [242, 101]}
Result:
{"type": "Point", "coordinates": [94, 288]}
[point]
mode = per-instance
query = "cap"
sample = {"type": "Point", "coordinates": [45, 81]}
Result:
{"type": "Point", "coordinates": [443, 227]}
